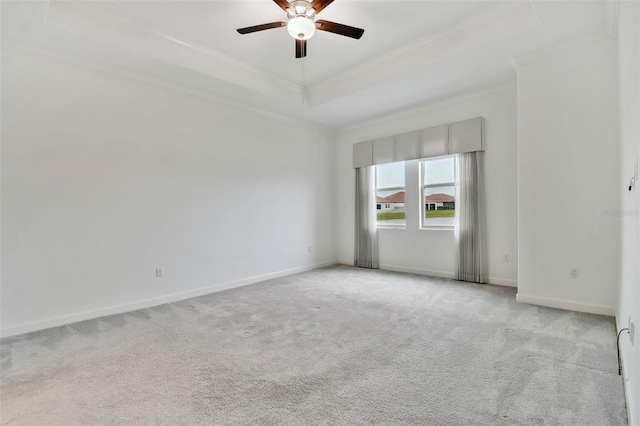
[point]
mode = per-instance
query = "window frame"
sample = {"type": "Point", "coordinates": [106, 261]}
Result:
{"type": "Point", "coordinates": [423, 211]}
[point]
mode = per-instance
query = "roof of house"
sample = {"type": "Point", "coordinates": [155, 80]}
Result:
{"type": "Point", "coordinates": [439, 198]}
{"type": "Point", "coordinates": [398, 197]}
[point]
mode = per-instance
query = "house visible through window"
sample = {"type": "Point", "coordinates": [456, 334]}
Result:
{"type": "Point", "coordinates": [439, 191]}
{"type": "Point", "coordinates": [390, 195]}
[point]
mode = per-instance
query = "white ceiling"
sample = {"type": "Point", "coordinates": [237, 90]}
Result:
{"type": "Point", "coordinates": [412, 52]}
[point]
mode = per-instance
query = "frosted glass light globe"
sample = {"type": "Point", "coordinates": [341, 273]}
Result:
{"type": "Point", "coordinates": [301, 27]}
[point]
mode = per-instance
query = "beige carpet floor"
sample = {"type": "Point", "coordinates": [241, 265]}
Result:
{"type": "Point", "coordinates": [334, 346]}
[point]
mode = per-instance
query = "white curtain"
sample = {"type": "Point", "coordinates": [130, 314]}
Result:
{"type": "Point", "coordinates": [366, 238]}
{"type": "Point", "coordinates": [471, 229]}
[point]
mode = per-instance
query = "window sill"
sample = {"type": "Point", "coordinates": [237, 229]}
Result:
{"type": "Point", "coordinates": [391, 227]}
{"type": "Point", "coordinates": [438, 228]}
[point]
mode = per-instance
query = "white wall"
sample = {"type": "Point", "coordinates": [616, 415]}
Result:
{"type": "Point", "coordinates": [628, 304]}
{"type": "Point", "coordinates": [428, 251]}
{"type": "Point", "coordinates": [568, 162]}
{"type": "Point", "coordinates": [106, 178]}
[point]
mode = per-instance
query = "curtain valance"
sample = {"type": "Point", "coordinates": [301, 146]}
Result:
{"type": "Point", "coordinates": [454, 138]}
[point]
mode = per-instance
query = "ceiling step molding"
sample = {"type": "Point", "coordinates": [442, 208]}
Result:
{"type": "Point", "coordinates": [609, 32]}
{"type": "Point", "coordinates": [504, 20]}
{"type": "Point", "coordinates": [82, 64]}
{"type": "Point", "coordinates": [83, 19]}
{"type": "Point", "coordinates": [468, 48]}
{"type": "Point", "coordinates": [599, 36]}
{"type": "Point", "coordinates": [395, 122]}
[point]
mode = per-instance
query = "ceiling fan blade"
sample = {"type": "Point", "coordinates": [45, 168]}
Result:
{"type": "Point", "coordinates": [301, 48]}
{"type": "Point", "coordinates": [284, 4]}
{"type": "Point", "coordinates": [341, 29]}
{"type": "Point", "coordinates": [262, 27]}
{"type": "Point", "coordinates": [318, 5]}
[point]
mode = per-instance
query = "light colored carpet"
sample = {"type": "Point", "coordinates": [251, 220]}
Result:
{"type": "Point", "coordinates": [334, 346]}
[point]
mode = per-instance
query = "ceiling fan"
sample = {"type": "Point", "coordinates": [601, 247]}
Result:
{"type": "Point", "coordinates": [302, 24]}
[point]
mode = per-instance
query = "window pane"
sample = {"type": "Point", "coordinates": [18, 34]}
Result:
{"type": "Point", "coordinates": [439, 206]}
{"type": "Point", "coordinates": [390, 195]}
{"type": "Point", "coordinates": [438, 171]}
{"type": "Point", "coordinates": [390, 175]}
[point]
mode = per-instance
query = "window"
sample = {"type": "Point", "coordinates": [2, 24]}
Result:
{"type": "Point", "coordinates": [438, 191]}
{"type": "Point", "coordinates": [390, 195]}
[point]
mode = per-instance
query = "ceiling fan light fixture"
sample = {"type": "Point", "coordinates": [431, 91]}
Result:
{"type": "Point", "coordinates": [301, 27]}
{"type": "Point", "coordinates": [301, 23]}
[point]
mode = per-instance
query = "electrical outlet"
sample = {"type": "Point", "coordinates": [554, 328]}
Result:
{"type": "Point", "coordinates": [632, 330]}
{"type": "Point", "coordinates": [159, 272]}
{"type": "Point", "coordinates": [574, 273]}
{"type": "Point", "coordinates": [506, 258]}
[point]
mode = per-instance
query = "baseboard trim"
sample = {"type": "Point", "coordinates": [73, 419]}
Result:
{"type": "Point", "coordinates": [567, 305]}
{"type": "Point", "coordinates": [505, 282]}
{"type": "Point", "coordinates": [428, 272]}
{"type": "Point", "coordinates": [445, 274]}
{"type": "Point", "coordinates": [147, 303]}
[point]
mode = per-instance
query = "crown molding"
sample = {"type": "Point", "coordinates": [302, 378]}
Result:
{"type": "Point", "coordinates": [608, 32]}
{"type": "Point", "coordinates": [79, 17]}
{"type": "Point", "coordinates": [501, 21]}
{"type": "Point", "coordinates": [89, 66]}
{"type": "Point", "coordinates": [425, 109]}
